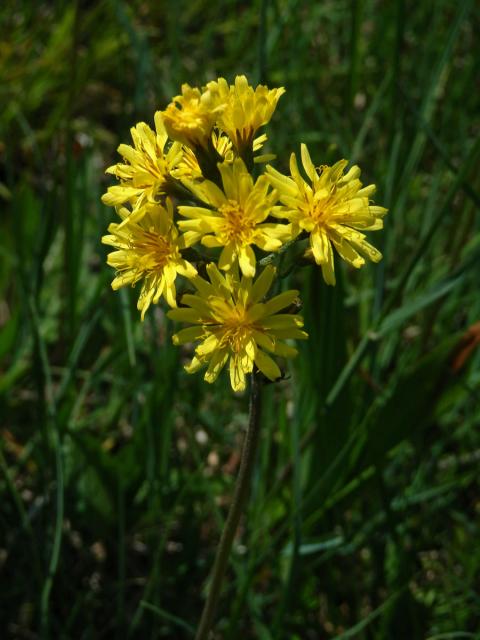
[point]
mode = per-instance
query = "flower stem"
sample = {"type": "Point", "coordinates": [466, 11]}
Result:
{"type": "Point", "coordinates": [236, 508]}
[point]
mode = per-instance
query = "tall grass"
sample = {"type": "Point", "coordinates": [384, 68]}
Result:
{"type": "Point", "coordinates": [117, 467]}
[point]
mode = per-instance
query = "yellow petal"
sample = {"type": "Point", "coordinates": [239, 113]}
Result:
{"type": "Point", "coordinates": [282, 301]}
{"type": "Point", "coordinates": [285, 350]}
{"type": "Point", "coordinates": [267, 365]}
{"type": "Point", "coordinates": [211, 242]}
{"type": "Point", "coordinates": [320, 246]}
{"type": "Point", "coordinates": [307, 162]}
{"type": "Point", "coordinates": [282, 321]}
{"type": "Point", "coordinates": [190, 334]}
{"type": "Point", "coordinates": [294, 334]}
{"type": "Point", "coordinates": [348, 253]}
{"type": "Point", "coordinates": [181, 314]}
{"type": "Point", "coordinates": [196, 302]}
{"type": "Point", "coordinates": [194, 365]}
{"type": "Point", "coordinates": [247, 261]}
{"type": "Point", "coordinates": [119, 194]}
{"type": "Point", "coordinates": [227, 257]}
{"type": "Point", "coordinates": [263, 283]}
{"type": "Point", "coordinates": [237, 377]}
{"type": "Point", "coordinates": [328, 272]}
{"type": "Point", "coordinates": [209, 345]}
{"type": "Point", "coordinates": [216, 364]}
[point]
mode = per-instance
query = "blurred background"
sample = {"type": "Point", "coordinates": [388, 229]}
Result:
{"type": "Point", "coordinates": [116, 467]}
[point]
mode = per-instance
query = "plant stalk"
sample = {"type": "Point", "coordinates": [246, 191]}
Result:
{"type": "Point", "coordinates": [242, 487]}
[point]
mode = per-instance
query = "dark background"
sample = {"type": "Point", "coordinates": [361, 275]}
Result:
{"type": "Point", "coordinates": [116, 467]}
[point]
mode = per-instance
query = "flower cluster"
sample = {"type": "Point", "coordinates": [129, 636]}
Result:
{"type": "Point", "coordinates": [189, 203]}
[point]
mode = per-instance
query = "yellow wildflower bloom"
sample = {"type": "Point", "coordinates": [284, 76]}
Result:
{"type": "Point", "coordinates": [189, 168]}
{"type": "Point", "coordinates": [236, 220]}
{"type": "Point", "coordinates": [190, 117]}
{"type": "Point", "coordinates": [232, 323]}
{"type": "Point", "coordinates": [247, 109]}
{"type": "Point", "coordinates": [331, 208]}
{"type": "Point", "coordinates": [148, 250]}
{"type": "Point", "coordinates": [147, 169]}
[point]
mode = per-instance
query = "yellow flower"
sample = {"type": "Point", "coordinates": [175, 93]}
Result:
{"type": "Point", "coordinates": [189, 167]}
{"type": "Point", "coordinates": [331, 208]}
{"type": "Point", "coordinates": [247, 109]}
{"type": "Point", "coordinates": [236, 220]}
{"type": "Point", "coordinates": [232, 323]}
{"type": "Point", "coordinates": [146, 173]}
{"type": "Point", "coordinates": [190, 117]}
{"type": "Point", "coordinates": [149, 249]}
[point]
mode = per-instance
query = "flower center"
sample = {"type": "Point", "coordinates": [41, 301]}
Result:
{"type": "Point", "coordinates": [238, 227]}
{"type": "Point", "coordinates": [153, 251]}
{"type": "Point", "coordinates": [190, 122]}
{"type": "Point", "coordinates": [191, 118]}
{"type": "Point", "coordinates": [237, 329]}
{"type": "Point", "coordinates": [319, 211]}
{"type": "Point", "coordinates": [236, 337]}
{"type": "Point", "coordinates": [150, 166]}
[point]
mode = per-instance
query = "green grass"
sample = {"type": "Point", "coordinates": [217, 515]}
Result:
{"type": "Point", "coordinates": [116, 467]}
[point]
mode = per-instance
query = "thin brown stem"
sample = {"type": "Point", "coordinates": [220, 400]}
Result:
{"type": "Point", "coordinates": [236, 508]}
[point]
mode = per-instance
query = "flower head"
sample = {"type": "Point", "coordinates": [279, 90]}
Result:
{"type": "Point", "coordinates": [190, 117]}
{"type": "Point", "coordinates": [146, 172]}
{"type": "Point", "coordinates": [232, 323]}
{"type": "Point", "coordinates": [331, 208]}
{"type": "Point", "coordinates": [236, 220]}
{"type": "Point", "coordinates": [189, 166]}
{"type": "Point", "coordinates": [148, 250]}
{"type": "Point", "coordinates": [246, 110]}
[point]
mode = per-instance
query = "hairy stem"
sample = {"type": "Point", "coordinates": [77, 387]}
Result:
{"type": "Point", "coordinates": [236, 508]}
